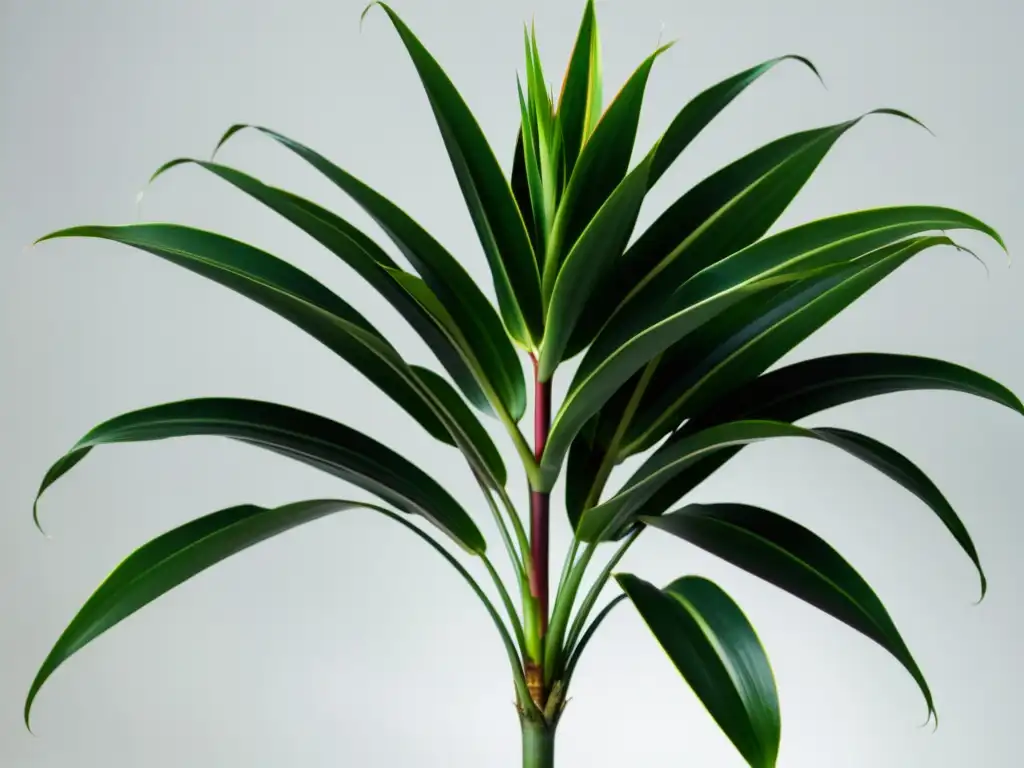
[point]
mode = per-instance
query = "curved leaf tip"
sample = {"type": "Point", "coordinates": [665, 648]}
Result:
{"type": "Point", "coordinates": [366, 10]}
{"type": "Point", "coordinates": [807, 63]}
{"type": "Point", "coordinates": [227, 135]}
{"type": "Point", "coordinates": [168, 165]}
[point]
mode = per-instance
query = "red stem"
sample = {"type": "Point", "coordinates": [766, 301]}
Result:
{"type": "Point", "coordinates": [540, 502]}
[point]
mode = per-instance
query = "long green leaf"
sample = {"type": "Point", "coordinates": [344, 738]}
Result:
{"type": "Point", "coordinates": [607, 520]}
{"type": "Point", "coordinates": [818, 245]}
{"type": "Point", "coordinates": [283, 289]}
{"type": "Point", "coordinates": [487, 193]}
{"type": "Point", "coordinates": [795, 391]}
{"type": "Point", "coordinates": [469, 307]}
{"type": "Point", "coordinates": [306, 437]}
{"type": "Point", "coordinates": [602, 165]}
{"type": "Point", "coordinates": [794, 559]}
{"type": "Point", "coordinates": [580, 102]}
{"type": "Point", "coordinates": [716, 650]}
{"type": "Point", "coordinates": [705, 107]}
{"type": "Point", "coordinates": [726, 212]}
{"type": "Point", "coordinates": [590, 258]}
{"type": "Point", "coordinates": [594, 384]}
{"type": "Point", "coordinates": [742, 343]}
{"type": "Point", "coordinates": [176, 556]}
{"type": "Point", "coordinates": [361, 254]}
{"type": "Point", "coordinates": [468, 423]}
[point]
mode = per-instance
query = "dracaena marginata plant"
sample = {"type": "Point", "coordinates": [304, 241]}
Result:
{"type": "Point", "coordinates": [676, 329]}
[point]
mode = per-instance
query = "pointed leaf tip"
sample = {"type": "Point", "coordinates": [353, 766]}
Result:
{"type": "Point", "coordinates": [166, 167]}
{"type": "Point", "coordinates": [366, 10]}
{"type": "Point", "coordinates": [227, 135]}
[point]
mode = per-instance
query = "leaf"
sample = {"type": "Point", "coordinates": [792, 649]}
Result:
{"type": "Point", "coordinates": [446, 277]}
{"type": "Point", "coordinates": [705, 107]}
{"type": "Point", "coordinates": [470, 426]}
{"type": "Point", "coordinates": [169, 560]}
{"type": "Point", "coordinates": [487, 193]}
{"type": "Point", "coordinates": [726, 212]}
{"type": "Point", "coordinates": [362, 255]}
{"type": "Point", "coordinates": [602, 372]}
{"type": "Point", "coordinates": [600, 243]}
{"type": "Point", "coordinates": [611, 518]}
{"type": "Point", "coordinates": [531, 170]}
{"type": "Point", "coordinates": [602, 165]}
{"type": "Point", "coordinates": [792, 558]}
{"type": "Point", "coordinates": [521, 190]}
{"type": "Point", "coordinates": [742, 343]}
{"type": "Point", "coordinates": [283, 289]}
{"type": "Point", "coordinates": [896, 466]}
{"type": "Point", "coordinates": [580, 102]}
{"type": "Point", "coordinates": [801, 389]}
{"type": "Point", "coordinates": [716, 650]}
{"type": "Point", "coordinates": [306, 437]}
{"type": "Point", "coordinates": [825, 243]}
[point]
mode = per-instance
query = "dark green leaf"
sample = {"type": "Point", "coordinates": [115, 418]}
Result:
{"type": "Point", "coordinates": [705, 107]}
{"type": "Point", "coordinates": [602, 165]}
{"type": "Point", "coordinates": [487, 193]}
{"type": "Point", "coordinates": [742, 343]}
{"type": "Point", "coordinates": [602, 373]}
{"type": "Point", "coordinates": [794, 559]}
{"type": "Point", "coordinates": [363, 255]}
{"type": "Point", "coordinates": [306, 437]}
{"type": "Point", "coordinates": [169, 560]}
{"type": "Point", "coordinates": [456, 407]}
{"type": "Point", "coordinates": [285, 290]}
{"type": "Point", "coordinates": [716, 650]}
{"type": "Point", "coordinates": [580, 102]}
{"type": "Point", "coordinates": [799, 390]}
{"type": "Point", "coordinates": [469, 307]}
{"type": "Point", "coordinates": [590, 258]}
{"type": "Point", "coordinates": [726, 212]}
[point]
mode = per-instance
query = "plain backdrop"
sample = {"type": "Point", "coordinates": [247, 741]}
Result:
{"type": "Point", "coordinates": [348, 642]}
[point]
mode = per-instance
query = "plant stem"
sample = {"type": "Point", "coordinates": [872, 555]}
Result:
{"type": "Point", "coordinates": [540, 503]}
{"type": "Point", "coordinates": [538, 744]}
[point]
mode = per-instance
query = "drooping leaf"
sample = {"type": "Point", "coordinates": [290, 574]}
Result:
{"type": "Point", "coordinates": [795, 391]}
{"type": "Point", "coordinates": [792, 558]}
{"type": "Point", "coordinates": [716, 650]}
{"type": "Point", "coordinates": [468, 306]}
{"type": "Point", "coordinates": [726, 212]}
{"type": "Point", "coordinates": [580, 102]}
{"type": "Point", "coordinates": [169, 560]}
{"type": "Point", "coordinates": [283, 289]}
{"type": "Point", "coordinates": [306, 437]}
{"type": "Point", "coordinates": [362, 254]}
{"type": "Point", "coordinates": [602, 165]}
{"type": "Point", "coordinates": [176, 556]}
{"type": "Point", "coordinates": [609, 519]}
{"type": "Point", "coordinates": [468, 423]}
{"type": "Point", "coordinates": [742, 343]}
{"type": "Point", "coordinates": [487, 193]}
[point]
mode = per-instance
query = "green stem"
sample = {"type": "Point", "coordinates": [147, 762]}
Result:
{"type": "Point", "coordinates": [595, 590]}
{"type": "Point", "coordinates": [538, 744]}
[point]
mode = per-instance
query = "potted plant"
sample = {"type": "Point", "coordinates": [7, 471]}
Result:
{"type": "Point", "coordinates": [676, 329]}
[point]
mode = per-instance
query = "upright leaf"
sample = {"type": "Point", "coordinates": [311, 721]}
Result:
{"type": "Point", "coordinates": [580, 102]}
{"type": "Point", "coordinates": [716, 650]}
{"type": "Point", "coordinates": [705, 107]}
{"type": "Point", "coordinates": [363, 255]}
{"type": "Point", "coordinates": [487, 193]}
{"type": "Point", "coordinates": [283, 289]}
{"type": "Point", "coordinates": [792, 558]}
{"type": "Point", "coordinates": [590, 258]}
{"type": "Point", "coordinates": [306, 437]}
{"type": "Point", "coordinates": [727, 211]}
{"type": "Point", "coordinates": [602, 165]}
